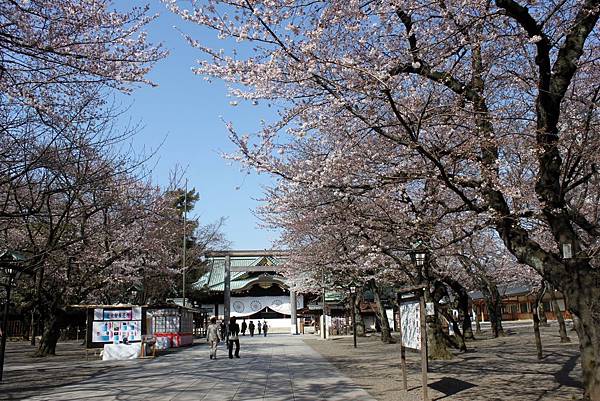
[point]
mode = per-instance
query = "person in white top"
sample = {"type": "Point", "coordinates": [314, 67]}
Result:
{"type": "Point", "coordinates": [213, 337]}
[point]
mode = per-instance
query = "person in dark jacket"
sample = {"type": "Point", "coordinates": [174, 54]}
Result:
{"type": "Point", "coordinates": [222, 328]}
{"type": "Point", "coordinates": [251, 328]}
{"type": "Point", "coordinates": [244, 326]}
{"type": "Point", "coordinates": [234, 332]}
{"type": "Point", "coordinates": [259, 327]}
{"type": "Point", "coordinates": [265, 327]}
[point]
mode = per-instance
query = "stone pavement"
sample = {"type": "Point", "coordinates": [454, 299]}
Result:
{"type": "Point", "coordinates": [275, 368]}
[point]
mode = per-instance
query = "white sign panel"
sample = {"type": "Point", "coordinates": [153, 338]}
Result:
{"type": "Point", "coordinates": [390, 317]}
{"type": "Point", "coordinates": [246, 306]}
{"type": "Point", "coordinates": [411, 324]}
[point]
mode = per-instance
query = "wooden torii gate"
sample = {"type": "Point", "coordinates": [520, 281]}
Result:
{"type": "Point", "coordinates": [227, 279]}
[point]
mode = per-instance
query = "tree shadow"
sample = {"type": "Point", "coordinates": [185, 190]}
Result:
{"type": "Point", "coordinates": [562, 376]}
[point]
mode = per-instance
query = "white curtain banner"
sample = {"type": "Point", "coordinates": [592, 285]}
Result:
{"type": "Point", "coordinates": [246, 306]}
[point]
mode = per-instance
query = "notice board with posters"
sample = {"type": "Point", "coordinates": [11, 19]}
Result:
{"type": "Point", "coordinates": [411, 323]}
{"type": "Point", "coordinates": [114, 325]}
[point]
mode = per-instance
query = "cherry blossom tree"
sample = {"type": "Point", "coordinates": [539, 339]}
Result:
{"type": "Point", "coordinates": [59, 161]}
{"type": "Point", "coordinates": [53, 52]}
{"type": "Point", "coordinates": [496, 101]}
{"type": "Point", "coordinates": [59, 62]}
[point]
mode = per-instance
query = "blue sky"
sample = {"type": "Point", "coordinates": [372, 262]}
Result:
{"type": "Point", "coordinates": [185, 114]}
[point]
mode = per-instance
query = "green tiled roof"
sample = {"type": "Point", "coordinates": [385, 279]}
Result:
{"type": "Point", "coordinates": [214, 279]}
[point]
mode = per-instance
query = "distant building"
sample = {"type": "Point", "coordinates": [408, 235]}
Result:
{"type": "Point", "coordinates": [517, 303]}
{"type": "Point", "coordinates": [258, 291]}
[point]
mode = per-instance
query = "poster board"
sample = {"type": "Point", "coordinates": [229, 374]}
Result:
{"type": "Point", "coordinates": [112, 331]}
{"type": "Point", "coordinates": [411, 324]}
{"type": "Point", "coordinates": [114, 325]}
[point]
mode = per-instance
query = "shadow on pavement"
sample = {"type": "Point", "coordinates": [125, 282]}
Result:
{"type": "Point", "coordinates": [450, 386]}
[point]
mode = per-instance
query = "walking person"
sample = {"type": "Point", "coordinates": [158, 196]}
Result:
{"type": "Point", "coordinates": [213, 336]}
{"type": "Point", "coordinates": [234, 331]}
{"type": "Point", "coordinates": [222, 328]}
{"type": "Point", "coordinates": [251, 328]}
{"type": "Point", "coordinates": [265, 327]}
{"type": "Point", "coordinates": [244, 326]}
{"type": "Point", "coordinates": [259, 327]}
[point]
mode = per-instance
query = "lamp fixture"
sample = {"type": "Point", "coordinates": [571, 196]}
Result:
{"type": "Point", "coordinates": [567, 250]}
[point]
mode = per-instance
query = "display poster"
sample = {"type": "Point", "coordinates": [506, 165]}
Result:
{"type": "Point", "coordinates": [116, 331]}
{"type": "Point", "coordinates": [411, 324]}
{"type": "Point", "coordinates": [117, 325]}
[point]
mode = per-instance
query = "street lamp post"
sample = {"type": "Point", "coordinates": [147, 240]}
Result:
{"type": "Point", "coordinates": [567, 250]}
{"type": "Point", "coordinates": [5, 326]}
{"type": "Point", "coordinates": [11, 268]}
{"type": "Point", "coordinates": [353, 293]}
{"type": "Point", "coordinates": [324, 321]}
{"type": "Point", "coordinates": [420, 257]}
{"type": "Point", "coordinates": [183, 257]}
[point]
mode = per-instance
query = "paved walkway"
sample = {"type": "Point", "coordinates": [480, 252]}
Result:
{"type": "Point", "coordinates": [275, 368]}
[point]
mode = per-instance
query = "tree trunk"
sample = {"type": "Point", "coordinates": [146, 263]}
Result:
{"type": "Point", "coordinates": [39, 276]}
{"type": "Point", "coordinates": [477, 320]}
{"type": "Point", "coordinates": [386, 335]}
{"type": "Point", "coordinates": [562, 328]}
{"type": "Point", "coordinates": [32, 326]}
{"type": "Point", "coordinates": [360, 323]}
{"type": "Point", "coordinates": [49, 337]}
{"type": "Point", "coordinates": [493, 302]}
{"type": "Point", "coordinates": [462, 303]}
{"type": "Point", "coordinates": [536, 332]}
{"type": "Point", "coordinates": [459, 336]}
{"type": "Point", "coordinates": [583, 296]}
{"type": "Point", "coordinates": [574, 319]}
{"type": "Point", "coordinates": [536, 321]}
{"type": "Point", "coordinates": [467, 326]}
{"type": "Point", "coordinates": [436, 338]}
{"type": "Point", "coordinates": [542, 314]}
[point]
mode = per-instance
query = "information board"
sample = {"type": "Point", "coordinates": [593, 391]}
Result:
{"type": "Point", "coordinates": [114, 331]}
{"type": "Point", "coordinates": [116, 325]}
{"type": "Point", "coordinates": [411, 324]}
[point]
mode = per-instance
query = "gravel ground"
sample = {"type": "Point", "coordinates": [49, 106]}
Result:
{"type": "Point", "coordinates": [493, 369]}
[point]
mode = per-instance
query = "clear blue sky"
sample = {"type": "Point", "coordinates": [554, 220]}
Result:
{"type": "Point", "coordinates": [185, 114]}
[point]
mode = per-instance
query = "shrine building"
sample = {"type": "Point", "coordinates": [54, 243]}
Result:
{"type": "Point", "coordinates": [249, 285]}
